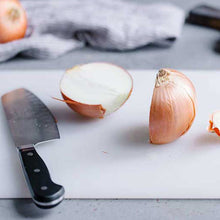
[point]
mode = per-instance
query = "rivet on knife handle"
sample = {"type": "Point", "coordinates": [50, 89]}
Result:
{"type": "Point", "coordinates": [45, 192]}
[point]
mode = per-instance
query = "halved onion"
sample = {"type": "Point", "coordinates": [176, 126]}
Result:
{"type": "Point", "coordinates": [173, 106]}
{"type": "Point", "coordinates": [96, 89]}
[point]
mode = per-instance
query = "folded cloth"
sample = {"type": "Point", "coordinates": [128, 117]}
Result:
{"type": "Point", "coordinates": [56, 27]}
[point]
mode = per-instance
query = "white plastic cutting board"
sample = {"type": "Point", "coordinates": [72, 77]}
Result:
{"type": "Point", "coordinates": [111, 157]}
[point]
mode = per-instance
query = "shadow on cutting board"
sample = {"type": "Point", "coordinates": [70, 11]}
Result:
{"type": "Point", "coordinates": [135, 136]}
{"type": "Point", "coordinates": [26, 208]}
{"type": "Point", "coordinates": [64, 114]}
{"type": "Point", "coordinates": [207, 140]}
{"type": "Point", "coordinates": [138, 136]}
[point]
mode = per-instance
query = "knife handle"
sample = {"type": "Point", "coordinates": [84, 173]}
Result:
{"type": "Point", "coordinates": [45, 193]}
{"type": "Point", "coordinates": [205, 15]}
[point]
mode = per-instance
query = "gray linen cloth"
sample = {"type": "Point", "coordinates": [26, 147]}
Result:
{"type": "Point", "coordinates": [56, 27]}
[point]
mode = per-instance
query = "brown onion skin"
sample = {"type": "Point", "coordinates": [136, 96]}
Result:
{"type": "Point", "coordinates": [170, 119]}
{"type": "Point", "coordinates": [12, 30]}
{"type": "Point", "coordinates": [93, 111]}
{"type": "Point", "coordinates": [211, 127]}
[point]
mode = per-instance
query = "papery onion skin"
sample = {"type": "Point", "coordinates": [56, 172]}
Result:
{"type": "Point", "coordinates": [173, 107]}
{"type": "Point", "coordinates": [213, 128]}
{"type": "Point", "coordinates": [93, 111]}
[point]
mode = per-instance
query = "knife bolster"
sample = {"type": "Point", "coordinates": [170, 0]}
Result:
{"type": "Point", "coordinates": [23, 147]}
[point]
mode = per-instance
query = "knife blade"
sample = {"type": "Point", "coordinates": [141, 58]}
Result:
{"type": "Point", "coordinates": [31, 123]}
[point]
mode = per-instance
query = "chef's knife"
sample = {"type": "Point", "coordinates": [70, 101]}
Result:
{"type": "Point", "coordinates": [31, 123]}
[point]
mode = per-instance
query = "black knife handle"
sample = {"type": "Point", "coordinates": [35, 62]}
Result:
{"type": "Point", "coordinates": [205, 15]}
{"type": "Point", "coordinates": [45, 193]}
